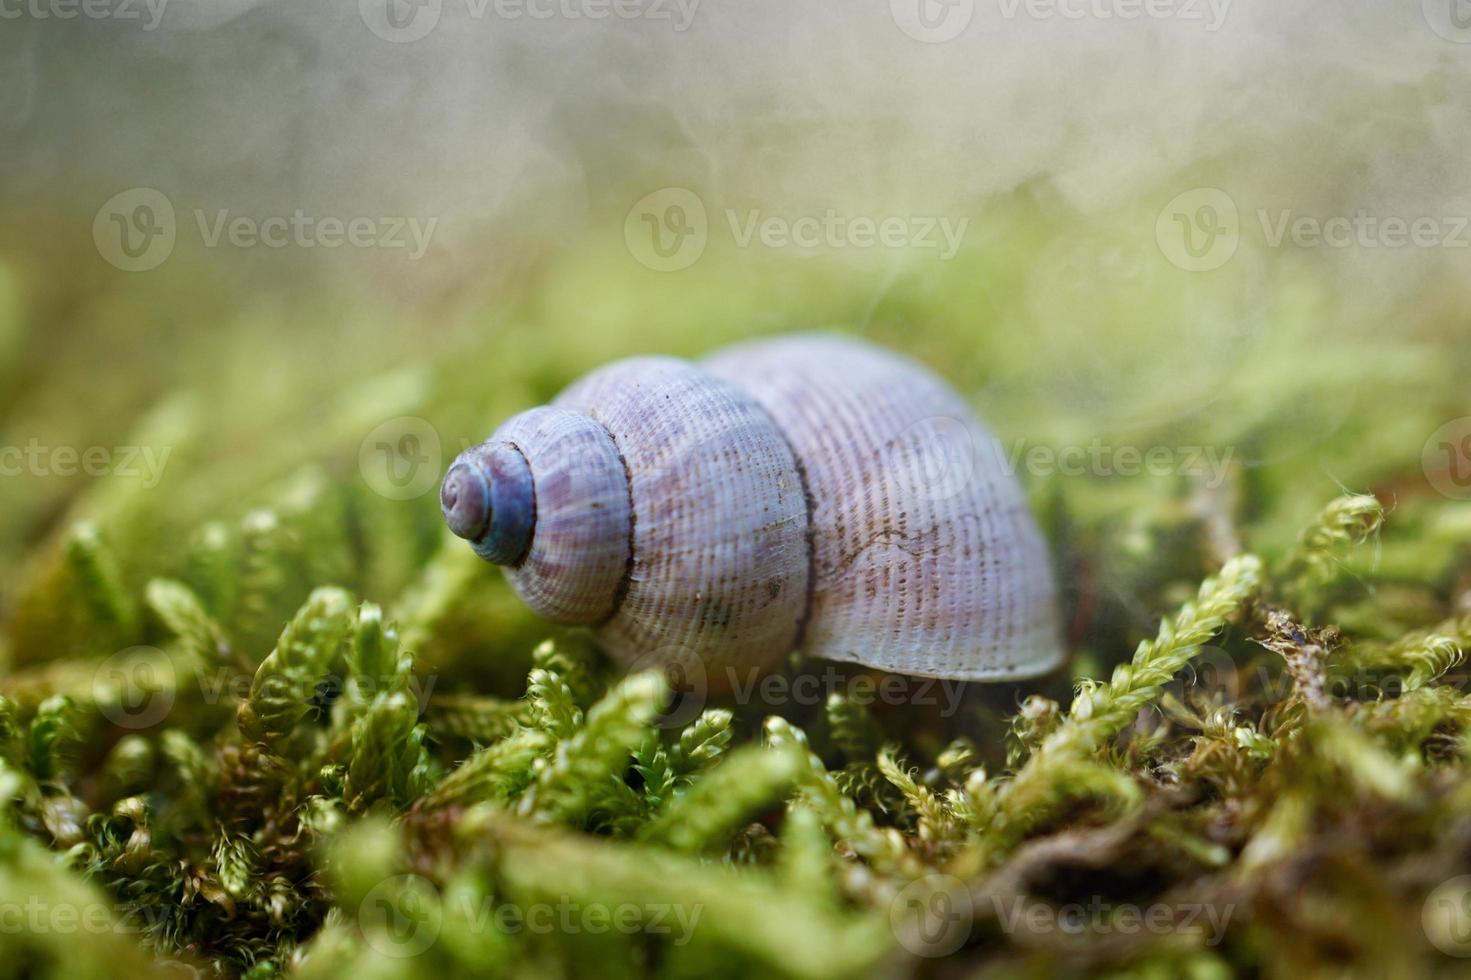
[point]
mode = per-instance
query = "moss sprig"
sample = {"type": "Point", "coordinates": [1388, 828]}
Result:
{"type": "Point", "coordinates": [280, 693]}
{"type": "Point", "coordinates": [1100, 711]}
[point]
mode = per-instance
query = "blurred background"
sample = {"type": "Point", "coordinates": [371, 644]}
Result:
{"type": "Point", "coordinates": [266, 267]}
{"type": "Point", "coordinates": [265, 263]}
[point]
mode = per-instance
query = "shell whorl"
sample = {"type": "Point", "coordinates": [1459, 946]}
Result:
{"type": "Point", "coordinates": [488, 499]}
{"type": "Point", "coordinates": [577, 551]}
{"type": "Point", "coordinates": [813, 491]}
{"type": "Point", "coordinates": [926, 559]}
{"type": "Point", "coordinates": [720, 533]}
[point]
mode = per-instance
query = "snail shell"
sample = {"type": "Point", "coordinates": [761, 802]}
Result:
{"type": "Point", "coordinates": [812, 492]}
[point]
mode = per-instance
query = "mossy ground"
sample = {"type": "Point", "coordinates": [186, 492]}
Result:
{"type": "Point", "coordinates": [261, 717]}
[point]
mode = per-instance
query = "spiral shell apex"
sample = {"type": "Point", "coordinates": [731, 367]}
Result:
{"type": "Point", "coordinates": [813, 493]}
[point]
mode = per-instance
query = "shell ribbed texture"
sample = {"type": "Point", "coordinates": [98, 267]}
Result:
{"type": "Point", "coordinates": [812, 490]}
{"type": "Point", "coordinates": [579, 550]}
{"type": "Point", "coordinates": [720, 566]}
{"type": "Point", "coordinates": [927, 560]}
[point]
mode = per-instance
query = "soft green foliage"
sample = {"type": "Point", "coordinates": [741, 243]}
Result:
{"type": "Point", "coordinates": [590, 756]}
{"type": "Point", "coordinates": [707, 813]}
{"type": "Point", "coordinates": [333, 742]}
{"type": "Point", "coordinates": [280, 693]}
{"type": "Point", "coordinates": [98, 580]}
{"type": "Point", "coordinates": [302, 814]}
{"type": "Point", "coordinates": [1347, 521]}
{"type": "Point", "coordinates": [1059, 769]}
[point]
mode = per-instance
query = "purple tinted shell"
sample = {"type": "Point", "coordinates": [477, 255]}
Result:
{"type": "Point", "coordinates": [811, 492]}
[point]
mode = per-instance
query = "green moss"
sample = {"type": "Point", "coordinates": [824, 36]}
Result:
{"type": "Point", "coordinates": [270, 721]}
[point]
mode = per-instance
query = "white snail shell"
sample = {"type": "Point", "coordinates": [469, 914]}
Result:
{"type": "Point", "coordinates": [813, 493]}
